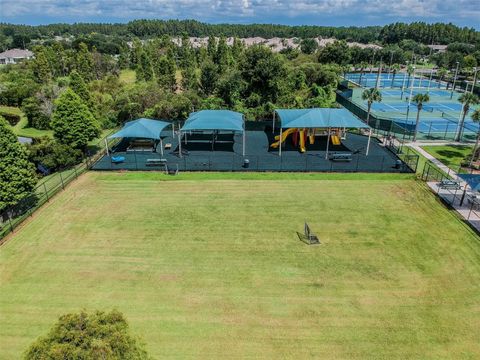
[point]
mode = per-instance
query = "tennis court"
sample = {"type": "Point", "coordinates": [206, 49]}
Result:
{"type": "Point", "coordinates": [402, 107]}
{"type": "Point", "coordinates": [437, 127]}
{"type": "Point", "coordinates": [398, 80]}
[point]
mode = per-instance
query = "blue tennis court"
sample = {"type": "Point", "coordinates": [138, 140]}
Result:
{"type": "Point", "coordinates": [432, 92]}
{"type": "Point", "coordinates": [400, 80]}
{"type": "Point", "coordinates": [430, 107]}
{"type": "Point", "coordinates": [438, 126]}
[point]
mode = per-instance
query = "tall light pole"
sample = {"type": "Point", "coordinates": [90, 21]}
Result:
{"type": "Point", "coordinates": [411, 93]}
{"type": "Point", "coordinates": [403, 83]}
{"type": "Point", "coordinates": [430, 80]}
{"type": "Point", "coordinates": [454, 80]}
{"type": "Point", "coordinates": [373, 60]}
{"type": "Point", "coordinates": [475, 69]}
{"type": "Point", "coordinates": [390, 65]}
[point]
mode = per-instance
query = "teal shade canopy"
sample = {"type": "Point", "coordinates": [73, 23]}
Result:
{"type": "Point", "coordinates": [319, 118]}
{"type": "Point", "coordinates": [211, 120]}
{"type": "Point", "coordinates": [141, 128]}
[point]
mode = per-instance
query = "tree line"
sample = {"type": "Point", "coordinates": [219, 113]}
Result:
{"type": "Point", "coordinates": [21, 35]}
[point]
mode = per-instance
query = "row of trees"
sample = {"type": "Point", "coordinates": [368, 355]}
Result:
{"type": "Point", "coordinates": [18, 35]}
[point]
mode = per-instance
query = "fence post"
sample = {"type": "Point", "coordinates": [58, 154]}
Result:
{"type": "Point", "coordinates": [61, 179]}
{"type": "Point", "coordinates": [383, 161]}
{"type": "Point", "coordinates": [46, 192]}
{"type": "Point", "coordinates": [75, 171]}
{"type": "Point", "coordinates": [10, 223]}
{"type": "Point", "coordinates": [358, 160]}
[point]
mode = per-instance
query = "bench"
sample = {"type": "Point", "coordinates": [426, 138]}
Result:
{"type": "Point", "coordinates": [449, 185]}
{"type": "Point", "coordinates": [340, 157]}
{"type": "Point", "coordinates": [156, 162]}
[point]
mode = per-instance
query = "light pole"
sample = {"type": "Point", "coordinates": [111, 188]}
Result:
{"type": "Point", "coordinates": [403, 83]}
{"type": "Point", "coordinates": [411, 93]}
{"type": "Point", "coordinates": [475, 69]}
{"type": "Point", "coordinates": [430, 81]}
{"type": "Point", "coordinates": [373, 60]}
{"type": "Point", "coordinates": [454, 80]}
{"type": "Point", "coordinates": [390, 65]}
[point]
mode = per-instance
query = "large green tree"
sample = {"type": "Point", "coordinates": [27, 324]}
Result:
{"type": "Point", "coordinates": [78, 85]}
{"type": "Point", "coordinates": [209, 77]}
{"type": "Point", "coordinates": [337, 52]}
{"type": "Point", "coordinates": [84, 62]}
{"type": "Point", "coordinates": [72, 121]}
{"type": "Point", "coordinates": [17, 174]}
{"type": "Point", "coordinates": [370, 96]}
{"type": "Point", "coordinates": [263, 72]}
{"type": "Point", "coordinates": [99, 335]}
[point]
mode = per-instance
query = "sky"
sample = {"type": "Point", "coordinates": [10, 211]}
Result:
{"type": "Point", "coordinates": [289, 12]}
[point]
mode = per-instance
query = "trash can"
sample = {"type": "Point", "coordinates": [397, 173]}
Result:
{"type": "Point", "coordinates": [246, 163]}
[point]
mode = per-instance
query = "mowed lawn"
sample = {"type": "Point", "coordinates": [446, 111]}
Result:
{"type": "Point", "coordinates": [207, 266]}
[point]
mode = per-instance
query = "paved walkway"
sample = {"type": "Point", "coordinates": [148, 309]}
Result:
{"type": "Point", "coordinates": [458, 199]}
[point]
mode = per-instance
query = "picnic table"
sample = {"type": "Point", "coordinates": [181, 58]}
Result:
{"type": "Point", "coordinates": [448, 184]}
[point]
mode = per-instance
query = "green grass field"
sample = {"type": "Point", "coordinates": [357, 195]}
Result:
{"type": "Point", "coordinates": [210, 266]}
{"type": "Point", "coordinates": [450, 155]}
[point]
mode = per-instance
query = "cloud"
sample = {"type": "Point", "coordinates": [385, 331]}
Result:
{"type": "Point", "coordinates": [466, 11]}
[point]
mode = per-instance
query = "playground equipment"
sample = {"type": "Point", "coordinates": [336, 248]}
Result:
{"type": "Point", "coordinates": [285, 134]}
{"type": "Point", "coordinates": [299, 137]}
{"type": "Point", "coordinates": [335, 140]}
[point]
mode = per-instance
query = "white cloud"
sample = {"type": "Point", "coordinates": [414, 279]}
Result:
{"type": "Point", "coordinates": [241, 10]}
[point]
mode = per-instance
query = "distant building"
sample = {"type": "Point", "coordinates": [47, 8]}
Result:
{"type": "Point", "coordinates": [438, 48]}
{"type": "Point", "coordinates": [14, 56]}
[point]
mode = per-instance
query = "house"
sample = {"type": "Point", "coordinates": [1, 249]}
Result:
{"type": "Point", "coordinates": [438, 48]}
{"type": "Point", "coordinates": [14, 56]}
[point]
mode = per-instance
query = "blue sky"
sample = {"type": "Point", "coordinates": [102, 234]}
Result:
{"type": "Point", "coordinates": [291, 12]}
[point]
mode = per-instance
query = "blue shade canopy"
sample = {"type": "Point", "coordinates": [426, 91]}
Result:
{"type": "Point", "coordinates": [473, 180]}
{"type": "Point", "coordinates": [210, 120]}
{"type": "Point", "coordinates": [319, 118]}
{"type": "Point", "coordinates": [141, 128]}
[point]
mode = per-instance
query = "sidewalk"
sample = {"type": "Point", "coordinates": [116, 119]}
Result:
{"type": "Point", "coordinates": [454, 198]}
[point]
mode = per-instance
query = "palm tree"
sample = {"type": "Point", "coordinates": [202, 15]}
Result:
{"type": "Point", "coordinates": [395, 68]}
{"type": "Point", "coordinates": [466, 99]}
{"type": "Point", "coordinates": [371, 95]}
{"type": "Point", "coordinates": [419, 99]}
{"type": "Point", "coordinates": [410, 71]}
{"type": "Point", "coordinates": [476, 119]}
{"type": "Point", "coordinates": [441, 74]}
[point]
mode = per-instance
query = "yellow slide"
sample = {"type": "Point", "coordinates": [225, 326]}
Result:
{"type": "Point", "coordinates": [284, 137]}
{"type": "Point", "coordinates": [335, 140]}
{"type": "Point", "coordinates": [302, 141]}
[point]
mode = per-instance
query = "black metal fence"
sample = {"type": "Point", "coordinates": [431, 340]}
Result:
{"type": "Point", "coordinates": [405, 129]}
{"type": "Point", "coordinates": [270, 162]}
{"type": "Point", "coordinates": [13, 216]}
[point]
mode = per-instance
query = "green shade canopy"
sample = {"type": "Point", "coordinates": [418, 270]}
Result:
{"type": "Point", "coordinates": [210, 120]}
{"type": "Point", "coordinates": [141, 128]}
{"type": "Point", "coordinates": [319, 118]}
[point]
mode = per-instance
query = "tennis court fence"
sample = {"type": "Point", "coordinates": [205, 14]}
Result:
{"type": "Point", "coordinates": [443, 128]}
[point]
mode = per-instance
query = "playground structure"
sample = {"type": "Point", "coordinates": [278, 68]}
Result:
{"type": "Point", "coordinates": [301, 123]}
{"type": "Point", "coordinates": [299, 137]}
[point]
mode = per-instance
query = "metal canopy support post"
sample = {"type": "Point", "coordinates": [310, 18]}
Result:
{"type": "Point", "coordinates": [328, 143]}
{"type": "Point", "coordinates": [173, 129]}
{"type": "Point", "coordinates": [368, 143]}
{"type": "Point", "coordinates": [243, 141]}
{"type": "Point", "coordinates": [161, 146]}
{"type": "Point", "coordinates": [280, 143]}
{"type": "Point", "coordinates": [273, 126]}
{"type": "Point", "coordinates": [106, 147]}
{"type": "Point", "coordinates": [179, 143]}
